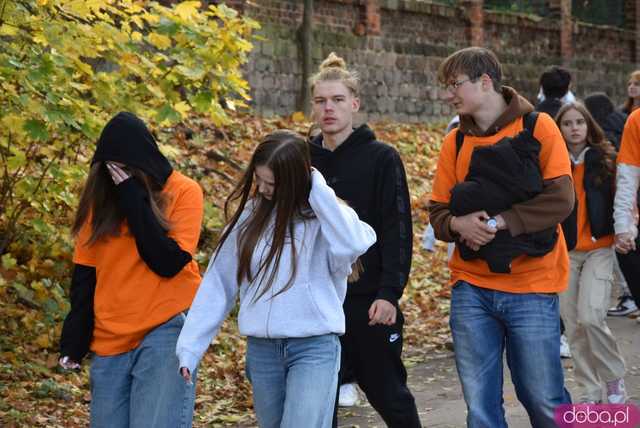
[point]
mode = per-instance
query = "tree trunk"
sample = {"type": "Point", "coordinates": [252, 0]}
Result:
{"type": "Point", "coordinates": [305, 33]}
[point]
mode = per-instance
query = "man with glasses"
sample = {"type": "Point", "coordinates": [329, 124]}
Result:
{"type": "Point", "coordinates": [493, 311]}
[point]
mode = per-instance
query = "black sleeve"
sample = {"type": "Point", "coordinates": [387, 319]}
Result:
{"type": "Point", "coordinates": [396, 234]}
{"type": "Point", "coordinates": [162, 254]}
{"type": "Point", "coordinates": [77, 330]}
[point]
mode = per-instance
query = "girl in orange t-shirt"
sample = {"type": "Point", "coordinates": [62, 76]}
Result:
{"type": "Point", "coordinates": [633, 90]}
{"type": "Point", "coordinates": [597, 358]}
{"type": "Point", "coordinates": [136, 230]}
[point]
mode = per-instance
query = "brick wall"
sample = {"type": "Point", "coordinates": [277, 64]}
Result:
{"type": "Point", "coordinates": [398, 59]}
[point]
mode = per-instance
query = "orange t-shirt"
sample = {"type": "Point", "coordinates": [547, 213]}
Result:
{"type": "Point", "coordinates": [630, 145]}
{"type": "Point", "coordinates": [546, 274]}
{"type": "Point", "coordinates": [585, 241]}
{"type": "Point", "coordinates": [130, 299]}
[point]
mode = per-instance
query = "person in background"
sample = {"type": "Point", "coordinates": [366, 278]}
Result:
{"type": "Point", "coordinates": [633, 91]}
{"type": "Point", "coordinates": [625, 213]}
{"type": "Point", "coordinates": [612, 123]}
{"type": "Point", "coordinates": [597, 359]}
{"type": "Point", "coordinates": [370, 177]}
{"type": "Point", "coordinates": [554, 86]}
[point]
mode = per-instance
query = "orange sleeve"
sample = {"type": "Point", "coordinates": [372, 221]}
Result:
{"type": "Point", "coordinates": [630, 146]}
{"type": "Point", "coordinates": [554, 156]}
{"type": "Point", "coordinates": [84, 254]}
{"type": "Point", "coordinates": [445, 177]}
{"type": "Point", "coordinates": [186, 217]}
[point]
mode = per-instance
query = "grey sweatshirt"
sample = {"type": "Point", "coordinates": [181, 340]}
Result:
{"type": "Point", "coordinates": [326, 245]}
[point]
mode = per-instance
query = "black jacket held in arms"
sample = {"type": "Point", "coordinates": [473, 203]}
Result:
{"type": "Point", "coordinates": [124, 139]}
{"type": "Point", "coordinates": [499, 176]}
{"type": "Point", "coordinates": [599, 196]}
{"type": "Point", "coordinates": [370, 177]}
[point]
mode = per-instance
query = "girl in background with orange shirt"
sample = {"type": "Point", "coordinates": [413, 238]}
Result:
{"type": "Point", "coordinates": [633, 90]}
{"type": "Point", "coordinates": [136, 230]}
{"type": "Point", "coordinates": [597, 358]}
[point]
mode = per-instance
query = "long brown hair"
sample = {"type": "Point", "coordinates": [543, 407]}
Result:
{"type": "Point", "coordinates": [596, 140]}
{"type": "Point", "coordinates": [98, 201]}
{"type": "Point", "coordinates": [627, 107]}
{"type": "Point", "coordinates": [286, 154]}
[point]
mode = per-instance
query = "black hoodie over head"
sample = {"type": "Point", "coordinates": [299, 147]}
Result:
{"type": "Point", "coordinates": [126, 139]}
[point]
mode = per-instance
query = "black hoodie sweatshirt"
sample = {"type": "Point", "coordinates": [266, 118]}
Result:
{"type": "Point", "coordinates": [370, 177]}
{"type": "Point", "coordinates": [125, 139]}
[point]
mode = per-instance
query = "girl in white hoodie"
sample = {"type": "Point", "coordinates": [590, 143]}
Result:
{"type": "Point", "coordinates": [288, 250]}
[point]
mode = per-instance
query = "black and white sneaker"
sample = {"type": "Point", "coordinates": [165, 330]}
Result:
{"type": "Point", "coordinates": [626, 305]}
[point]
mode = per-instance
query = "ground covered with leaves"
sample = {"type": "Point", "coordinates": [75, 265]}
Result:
{"type": "Point", "coordinates": [34, 392]}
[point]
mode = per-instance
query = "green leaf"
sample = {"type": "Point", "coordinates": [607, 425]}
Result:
{"type": "Point", "coordinates": [16, 161]}
{"type": "Point", "coordinates": [8, 261]}
{"type": "Point", "coordinates": [168, 113]}
{"type": "Point", "coordinates": [202, 101]}
{"type": "Point", "coordinates": [36, 129]}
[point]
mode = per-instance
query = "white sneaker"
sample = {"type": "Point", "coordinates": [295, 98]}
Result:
{"type": "Point", "coordinates": [626, 305]}
{"type": "Point", "coordinates": [616, 392]}
{"type": "Point", "coordinates": [348, 395]}
{"type": "Point", "coordinates": [565, 351]}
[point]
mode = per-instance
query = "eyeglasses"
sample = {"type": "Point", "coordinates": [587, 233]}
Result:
{"type": "Point", "coordinates": [457, 83]}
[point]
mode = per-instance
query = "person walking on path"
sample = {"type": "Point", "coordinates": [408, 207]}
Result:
{"type": "Point", "coordinates": [370, 177]}
{"type": "Point", "coordinates": [626, 204]}
{"type": "Point", "coordinates": [517, 311]}
{"type": "Point", "coordinates": [633, 90]}
{"type": "Point", "coordinates": [136, 231]}
{"type": "Point", "coordinates": [287, 250]}
{"type": "Point", "coordinates": [596, 356]}
{"type": "Point", "coordinates": [612, 123]}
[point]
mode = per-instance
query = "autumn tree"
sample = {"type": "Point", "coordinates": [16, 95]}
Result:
{"type": "Point", "coordinates": [66, 66]}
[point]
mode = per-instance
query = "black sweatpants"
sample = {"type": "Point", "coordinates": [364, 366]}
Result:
{"type": "Point", "coordinates": [373, 353]}
{"type": "Point", "coordinates": [630, 267]}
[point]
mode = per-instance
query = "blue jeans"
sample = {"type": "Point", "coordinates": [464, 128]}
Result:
{"type": "Point", "coordinates": [483, 323]}
{"type": "Point", "coordinates": [142, 387]}
{"type": "Point", "coordinates": [294, 380]}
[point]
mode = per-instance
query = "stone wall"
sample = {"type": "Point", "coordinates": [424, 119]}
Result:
{"type": "Point", "coordinates": [398, 60]}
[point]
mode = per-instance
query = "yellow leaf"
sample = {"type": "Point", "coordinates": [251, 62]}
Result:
{"type": "Point", "coordinates": [159, 41]}
{"type": "Point", "coordinates": [182, 107]}
{"type": "Point", "coordinates": [13, 122]}
{"type": "Point", "coordinates": [298, 117]}
{"type": "Point", "coordinates": [8, 30]}
{"type": "Point", "coordinates": [136, 36]}
{"type": "Point", "coordinates": [187, 9]}
{"type": "Point", "coordinates": [43, 341]}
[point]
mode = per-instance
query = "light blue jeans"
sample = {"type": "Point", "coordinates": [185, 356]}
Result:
{"type": "Point", "coordinates": [294, 380]}
{"type": "Point", "coordinates": [142, 387]}
{"type": "Point", "coordinates": [483, 323]}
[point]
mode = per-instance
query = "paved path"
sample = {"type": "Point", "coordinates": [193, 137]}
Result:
{"type": "Point", "coordinates": [434, 382]}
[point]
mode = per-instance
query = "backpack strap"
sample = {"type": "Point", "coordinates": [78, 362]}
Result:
{"type": "Point", "coordinates": [459, 140]}
{"type": "Point", "coordinates": [529, 122]}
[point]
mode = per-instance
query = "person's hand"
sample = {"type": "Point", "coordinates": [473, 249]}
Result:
{"type": "Point", "coordinates": [382, 312]}
{"type": "Point", "coordinates": [68, 364]}
{"type": "Point", "coordinates": [186, 375]}
{"type": "Point", "coordinates": [625, 242]}
{"type": "Point", "coordinates": [501, 224]}
{"type": "Point", "coordinates": [473, 229]}
{"type": "Point", "coordinates": [118, 172]}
